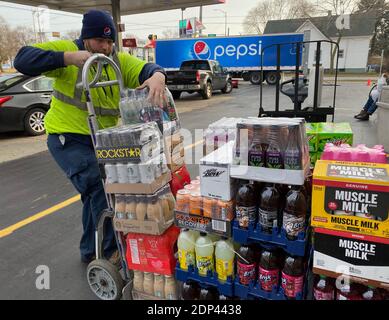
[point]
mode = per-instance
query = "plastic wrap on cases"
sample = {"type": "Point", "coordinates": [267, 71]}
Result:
{"type": "Point", "coordinates": [278, 236]}
{"type": "Point", "coordinates": [226, 288]}
{"type": "Point", "coordinates": [271, 150]}
{"type": "Point", "coordinates": [137, 108]}
{"type": "Point", "coordinates": [149, 214]}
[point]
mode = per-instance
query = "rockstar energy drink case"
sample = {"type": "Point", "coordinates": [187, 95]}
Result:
{"type": "Point", "coordinates": [350, 196]}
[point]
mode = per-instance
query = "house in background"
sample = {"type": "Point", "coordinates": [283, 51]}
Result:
{"type": "Point", "coordinates": [354, 45]}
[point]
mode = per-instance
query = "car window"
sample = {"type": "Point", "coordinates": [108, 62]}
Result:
{"type": "Point", "coordinates": [40, 84]}
{"type": "Point", "coordinates": [218, 68]}
{"type": "Point", "coordinates": [8, 80]}
{"type": "Point", "coordinates": [195, 65]}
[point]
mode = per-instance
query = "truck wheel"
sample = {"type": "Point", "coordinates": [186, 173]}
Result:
{"type": "Point", "coordinates": [228, 87]}
{"type": "Point", "coordinates": [271, 78]}
{"type": "Point", "coordinates": [176, 95]}
{"type": "Point", "coordinates": [255, 78]}
{"type": "Point", "coordinates": [207, 92]}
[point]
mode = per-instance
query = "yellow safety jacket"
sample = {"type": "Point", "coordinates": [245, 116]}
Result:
{"type": "Point", "coordinates": [68, 112]}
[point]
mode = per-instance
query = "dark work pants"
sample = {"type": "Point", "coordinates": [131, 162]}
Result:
{"type": "Point", "coordinates": [75, 155]}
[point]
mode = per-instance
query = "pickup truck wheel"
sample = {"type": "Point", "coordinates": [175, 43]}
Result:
{"type": "Point", "coordinates": [228, 87]}
{"type": "Point", "coordinates": [176, 95]}
{"type": "Point", "coordinates": [207, 92]}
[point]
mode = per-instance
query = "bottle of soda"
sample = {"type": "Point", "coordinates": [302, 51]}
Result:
{"type": "Point", "coordinates": [268, 208]}
{"type": "Point", "coordinates": [209, 293]}
{"type": "Point", "coordinates": [269, 268]}
{"type": "Point", "coordinates": [323, 288]}
{"type": "Point", "coordinates": [384, 293]}
{"type": "Point", "coordinates": [257, 151]}
{"type": "Point", "coordinates": [190, 290]}
{"type": "Point", "coordinates": [294, 216]}
{"type": "Point", "coordinates": [349, 291]}
{"type": "Point", "coordinates": [293, 152]}
{"type": "Point", "coordinates": [246, 264]}
{"type": "Point", "coordinates": [371, 293]}
{"type": "Point", "coordinates": [274, 157]}
{"type": "Point", "coordinates": [246, 207]}
{"type": "Point", "coordinates": [292, 280]}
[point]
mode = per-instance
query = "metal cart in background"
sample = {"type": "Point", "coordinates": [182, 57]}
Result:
{"type": "Point", "coordinates": [297, 88]}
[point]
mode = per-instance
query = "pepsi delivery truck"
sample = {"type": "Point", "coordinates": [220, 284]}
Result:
{"type": "Point", "coordinates": [240, 55]}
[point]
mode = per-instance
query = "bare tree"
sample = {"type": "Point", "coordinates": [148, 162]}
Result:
{"type": "Point", "coordinates": [71, 35]}
{"type": "Point", "coordinates": [5, 48]}
{"type": "Point", "coordinates": [266, 10]}
{"type": "Point", "coordinates": [336, 8]}
{"type": "Point", "coordinates": [169, 33]}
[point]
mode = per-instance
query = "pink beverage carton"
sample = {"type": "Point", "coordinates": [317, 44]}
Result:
{"type": "Point", "coordinates": [344, 155]}
{"type": "Point", "coordinates": [361, 155]}
{"type": "Point", "coordinates": [379, 157]}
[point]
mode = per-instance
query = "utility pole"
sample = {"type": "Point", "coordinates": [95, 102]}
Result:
{"type": "Point", "coordinates": [382, 60]}
{"type": "Point", "coordinates": [201, 19]}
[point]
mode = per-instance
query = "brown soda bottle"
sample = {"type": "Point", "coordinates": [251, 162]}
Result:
{"type": "Point", "coordinates": [209, 293]}
{"type": "Point", "coordinates": [268, 208]}
{"type": "Point", "coordinates": [371, 293]}
{"type": "Point", "coordinates": [293, 150]}
{"type": "Point", "coordinates": [349, 291]}
{"type": "Point", "coordinates": [323, 288]}
{"type": "Point", "coordinates": [246, 206]}
{"type": "Point", "coordinates": [274, 157]}
{"type": "Point", "coordinates": [384, 293]}
{"type": "Point", "coordinates": [190, 290]}
{"type": "Point", "coordinates": [246, 264]}
{"type": "Point", "coordinates": [269, 268]}
{"type": "Point", "coordinates": [292, 277]}
{"type": "Point", "coordinates": [257, 150]}
{"type": "Point", "coordinates": [294, 215]}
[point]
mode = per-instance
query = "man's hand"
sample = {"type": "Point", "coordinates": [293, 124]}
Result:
{"type": "Point", "coordinates": [76, 58]}
{"type": "Point", "coordinates": [156, 85]}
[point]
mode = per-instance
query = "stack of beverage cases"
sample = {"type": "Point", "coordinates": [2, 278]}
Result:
{"type": "Point", "coordinates": [139, 178]}
{"type": "Point", "coordinates": [246, 226]}
{"type": "Point", "coordinates": [259, 222]}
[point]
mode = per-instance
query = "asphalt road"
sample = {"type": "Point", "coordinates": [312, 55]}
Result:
{"type": "Point", "coordinates": [35, 185]}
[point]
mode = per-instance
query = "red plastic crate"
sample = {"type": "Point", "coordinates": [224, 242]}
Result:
{"type": "Point", "coordinates": [149, 253]}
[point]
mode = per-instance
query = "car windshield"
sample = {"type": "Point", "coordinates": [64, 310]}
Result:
{"type": "Point", "coordinates": [195, 65]}
{"type": "Point", "coordinates": [8, 80]}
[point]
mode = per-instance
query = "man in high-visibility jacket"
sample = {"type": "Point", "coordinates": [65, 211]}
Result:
{"type": "Point", "coordinates": [66, 124]}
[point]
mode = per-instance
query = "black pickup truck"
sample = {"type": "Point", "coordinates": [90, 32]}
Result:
{"type": "Point", "coordinates": [202, 76]}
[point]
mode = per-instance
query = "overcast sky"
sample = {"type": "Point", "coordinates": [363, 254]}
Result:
{"type": "Point", "coordinates": [141, 24]}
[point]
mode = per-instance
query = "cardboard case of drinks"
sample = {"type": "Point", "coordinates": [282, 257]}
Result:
{"type": "Point", "coordinates": [350, 196]}
{"type": "Point", "coordinates": [271, 150]}
{"type": "Point", "coordinates": [148, 214]}
{"type": "Point", "coordinates": [364, 259]}
{"type": "Point", "coordinates": [152, 253]}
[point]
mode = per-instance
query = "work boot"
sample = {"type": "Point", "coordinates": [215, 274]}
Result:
{"type": "Point", "coordinates": [363, 117]}
{"type": "Point", "coordinates": [115, 259]}
{"type": "Point", "coordinates": [362, 113]}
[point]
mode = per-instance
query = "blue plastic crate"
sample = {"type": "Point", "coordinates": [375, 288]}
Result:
{"type": "Point", "coordinates": [278, 237]}
{"type": "Point", "coordinates": [226, 288]}
{"type": "Point", "coordinates": [254, 290]}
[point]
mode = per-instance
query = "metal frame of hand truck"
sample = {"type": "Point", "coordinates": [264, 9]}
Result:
{"type": "Point", "coordinates": [314, 114]}
{"type": "Point", "coordinates": [105, 279]}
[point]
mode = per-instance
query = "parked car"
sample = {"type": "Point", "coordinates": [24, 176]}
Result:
{"type": "Point", "coordinates": [202, 76]}
{"type": "Point", "coordinates": [24, 101]}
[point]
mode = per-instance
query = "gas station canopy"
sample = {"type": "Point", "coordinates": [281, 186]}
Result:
{"type": "Point", "coordinates": [127, 7]}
